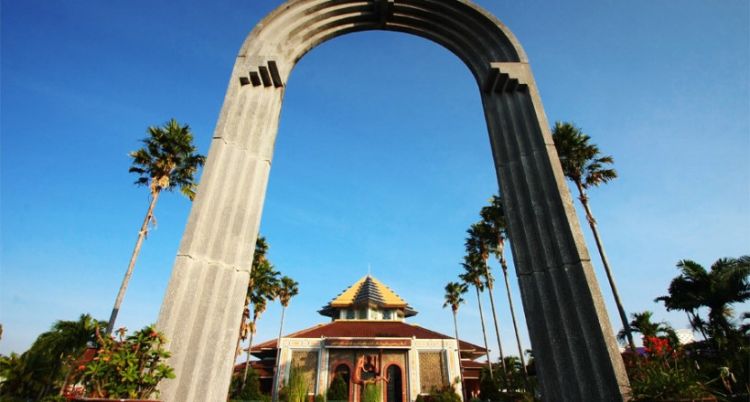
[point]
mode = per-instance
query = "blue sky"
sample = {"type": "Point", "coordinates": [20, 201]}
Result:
{"type": "Point", "coordinates": [382, 157]}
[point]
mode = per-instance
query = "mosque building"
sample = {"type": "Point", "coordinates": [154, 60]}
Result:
{"type": "Point", "coordinates": [368, 341]}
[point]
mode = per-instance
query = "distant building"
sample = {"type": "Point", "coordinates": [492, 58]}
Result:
{"type": "Point", "coordinates": [368, 341]}
{"type": "Point", "coordinates": [685, 336]}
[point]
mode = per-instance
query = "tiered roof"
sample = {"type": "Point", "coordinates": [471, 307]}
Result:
{"type": "Point", "coordinates": [367, 292]}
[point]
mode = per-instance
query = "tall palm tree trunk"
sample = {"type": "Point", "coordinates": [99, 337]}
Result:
{"type": "Point", "coordinates": [484, 332]}
{"type": "Point", "coordinates": [460, 364]}
{"type": "Point", "coordinates": [494, 318]}
{"type": "Point", "coordinates": [504, 266]}
{"type": "Point", "coordinates": [249, 346]}
{"type": "Point", "coordinates": [124, 286]}
{"type": "Point", "coordinates": [274, 383]}
{"type": "Point", "coordinates": [605, 261]}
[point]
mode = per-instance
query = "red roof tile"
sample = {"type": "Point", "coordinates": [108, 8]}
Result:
{"type": "Point", "coordinates": [367, 329]}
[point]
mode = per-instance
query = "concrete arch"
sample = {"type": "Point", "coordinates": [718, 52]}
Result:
{"type": "Point", "coordinates": [577, 357]}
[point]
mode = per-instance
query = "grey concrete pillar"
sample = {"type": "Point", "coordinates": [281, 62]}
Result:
{"type": "Point", "coordinates": [576, 354]}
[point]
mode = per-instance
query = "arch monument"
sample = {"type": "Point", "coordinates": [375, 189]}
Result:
{"type": "Point", "coordinates": [576, 353]}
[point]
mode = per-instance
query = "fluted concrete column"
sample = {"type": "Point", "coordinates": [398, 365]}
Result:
{"type": "Point", "coordinates": [576, 354]}
{"type": "Point", "coordinates": [202, 309]}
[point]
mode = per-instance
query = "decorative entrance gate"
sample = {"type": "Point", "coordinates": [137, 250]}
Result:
{"type": "Point", "coordinates": [576, 354]}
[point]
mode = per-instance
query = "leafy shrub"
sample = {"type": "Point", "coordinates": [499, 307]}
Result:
{"type": "Point", "coordinates": [371, 393]}
{"type": "Point", "coordinates": [126, 367]}
{"type": "Point", "coordinates": [663, 374]}
{"type": "Point", "coordinates": [445, 394]}
{"type": "Point", "coordinates": [251, 391]}
{"type": "Point", "coordinates": [296, 388]}
{"type": "Point", "coordinates": [338, 391]}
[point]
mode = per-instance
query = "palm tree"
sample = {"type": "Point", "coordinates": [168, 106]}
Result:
{"type": "Point", "coordinates": [39, 371]}
{"type": "Point", "coordinates": [473, 272]}
{"type": "Point", "coordinates": [494, 216]}
{"type": "Point", "coordinates": [583, 164]}
{"type": "Point", "coordinates": [478, 244]}
{"type": "Point", "coordinates": [642, 323]}
{"type": "Point", "coordinates": [265, 285]}
{"type": "Point", "coordinates": [168, 160]}
{"type": "Point", "coordinates": [453, 298]}
{"type": "Point", "coordinates": [717, 289]}
{"type": "Point", "coordinates": [259, 257]}
{"type": "Point", "coordinates": [287, 289]}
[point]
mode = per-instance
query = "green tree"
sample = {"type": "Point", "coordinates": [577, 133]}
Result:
{"type": "Point", "coordinates": [493, 216]}
{"type": "Point", "coordinates": [454, 292]}
{"type": "Point", "coordinates": [41, 370]}
{"type": "Point", "coordinates": [583, 164]}
{"type": "Point", "coordinates": [478, 243]}
{"type": "Point", "coordinates": [717, 289]}
{"type": "Point", "coordinates": [264, 288]}
{"type": "Point", "coordinates": [168, 160]}
{"type": "Point", "coordinates": [339, 390]}
{"type": "Point", "coordinates": [473, 273]}
{"type": "Point", "coordinates": [642, 324]}
{"type": "Point", "coordinates": [287, 289]}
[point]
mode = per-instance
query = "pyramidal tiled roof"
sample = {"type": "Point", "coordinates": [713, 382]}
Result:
{"type": "Point", "coordinates": [367, 291]}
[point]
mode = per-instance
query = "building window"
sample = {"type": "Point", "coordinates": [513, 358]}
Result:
{"type": "Point", "coordinates": [387, 315]}
{"type": "Point", "coordinates": [349, 314]}
{"type": "Point", "coordinates": [362, 314]}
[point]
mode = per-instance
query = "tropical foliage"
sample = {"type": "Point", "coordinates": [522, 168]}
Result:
{"type": "Point", "coordinates": [41, 371]}
{"type": "Point", "coordinates": [716, 289]}
{"type": "Point", "coordinates": [251, 391]}
{"type": "Point", "coordinates": [454, 292]}
{"type": "Point", "coordinates": [478, 242]}
{"type": "Point", "coordinates": [372, 393]}
{"type": "Point", "coordinates": [642, 324]}
{"type": "Point", "coordinates": [509, 383]}
{"type": "Point", "coordinates": [167, 161]}
{"type": "Point", "coordinates": [445, 394]}
{"type": "Point", "coordinates": [723, 357]}
{"type": "Point", "coordinates": [584, 165]}
{"type": "Point", "coordinates": [296, 389]}
{"type": "Point", "coordinates": [664, 373]}
{"type": "Point", "coordinates": [262, 288]}
{"type": "Point", "coordinates": [472, 275]}
{"type": "Point", "coordinates": [493, 216]}
{"type": "Point", "coordinates": [126, 366]}
{"type": "Point", "coordinates": [338, 391]}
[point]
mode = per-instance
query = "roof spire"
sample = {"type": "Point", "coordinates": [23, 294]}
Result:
{"type": "Point", "coordinates": [369, 269]}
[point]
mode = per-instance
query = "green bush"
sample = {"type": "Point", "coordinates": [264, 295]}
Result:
{"type": "Point", "coordinates": [251, 392]}
{"type": "Point", "coordinates": [371, 393]}
{"type": "Point", "coordinates": [445, 394]}
{"type": "Point", "coordinates": [320, 398]}
{"type": "Point", "coordinates": [338, 391]}
{"type": "Point", "coordinates": [664, 374]}
{"type": "Point", "coordinates": [127, 367]}
{"type": "Point", "coordinates": [296, 389]}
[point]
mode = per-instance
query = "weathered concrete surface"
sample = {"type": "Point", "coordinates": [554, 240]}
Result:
{"type": "Point", "coordinates": [574, 346]}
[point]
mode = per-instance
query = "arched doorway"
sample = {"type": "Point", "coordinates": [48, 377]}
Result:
{"type": "Point", "coordinates": [394, 387]}
{"type": "Point", "coordinates": [343, 372]}
{"type": "Point", "coordinates": [577, 357]}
